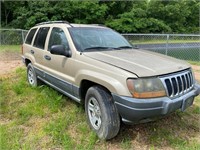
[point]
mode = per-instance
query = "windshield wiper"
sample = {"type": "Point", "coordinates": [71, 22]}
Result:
{"type": "Point", "coordinates": [98, 47]}
{"type": "Point", "coordinates": [126, 47]}
{"type": "Point", "coordinates": [107, 48]}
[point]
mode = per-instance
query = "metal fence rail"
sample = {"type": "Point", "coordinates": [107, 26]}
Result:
{"type": "Point", "coordinates": [12, 36]}
{"type": "Point", "coordinates": [182, 46]}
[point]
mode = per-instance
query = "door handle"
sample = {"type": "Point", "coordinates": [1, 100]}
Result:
{"type": "Point", "coordinates": [32, 52]}
{"type": "Point", "coordinates": [47, 57]}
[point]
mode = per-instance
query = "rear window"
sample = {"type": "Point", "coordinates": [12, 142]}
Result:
{"type": "Point", "coordinates": [30, 36]}
{"type": "Point", "coordinates": [41, 37]}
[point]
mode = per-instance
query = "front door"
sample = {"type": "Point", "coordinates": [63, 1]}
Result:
{"type": "Point", "coordinates": [57, 66]}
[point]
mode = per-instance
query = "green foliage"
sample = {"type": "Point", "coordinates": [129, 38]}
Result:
{"type": "Point", "coordinates": [132, 23]}
{"type": "Point", "coordinates": [146, 16]}
{"type": "Point", "coordinates": [158, 17]}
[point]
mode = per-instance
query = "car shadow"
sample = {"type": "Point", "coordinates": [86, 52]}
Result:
{"type": "Point", "coordinates": [174, 129]}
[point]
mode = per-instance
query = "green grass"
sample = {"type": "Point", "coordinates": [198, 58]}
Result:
{"type": "Point", "coordinates": [42, 118]}
{"type": "Point", "coordinates": [194, 63]}
{"type": "Point", "coordinates": [192, 55]}
{"type": "Point", "coordinates": [10, 48]}
{"type": "Point", "coordinates": [46, 118]}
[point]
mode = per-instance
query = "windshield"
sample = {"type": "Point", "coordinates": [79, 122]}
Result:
{"type": "Point", "coordinates": [88, 38]}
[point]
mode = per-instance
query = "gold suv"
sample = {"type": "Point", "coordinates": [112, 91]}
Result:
{"type": "Point", "coordinates": [99, 68]}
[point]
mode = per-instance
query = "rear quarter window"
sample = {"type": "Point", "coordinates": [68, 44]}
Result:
{"type": "Point", "coordinates": [30, 36]}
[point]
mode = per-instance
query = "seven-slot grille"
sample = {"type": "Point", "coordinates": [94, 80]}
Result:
{"type": "Point", "coordinates": [178, 84]}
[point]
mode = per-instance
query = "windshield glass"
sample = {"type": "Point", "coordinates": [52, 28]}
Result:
{"type": "Point", "coordinates": [88, 38]}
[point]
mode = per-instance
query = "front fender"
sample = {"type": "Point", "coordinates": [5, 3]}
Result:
{"type": "Point", "coordinates": [114, 85]}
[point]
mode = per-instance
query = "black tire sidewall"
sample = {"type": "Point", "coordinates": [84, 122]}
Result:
{"type": "Point", "coordinates": [104, 100]}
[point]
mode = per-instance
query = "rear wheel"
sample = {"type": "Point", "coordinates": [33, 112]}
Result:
{"type": "Point", "coordinates": [31, 76]}
{"type": "Point", "coordinates": [101, 113]}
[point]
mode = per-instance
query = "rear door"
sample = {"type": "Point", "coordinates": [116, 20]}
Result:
{"type": "Point", "coordinates": [37, 49]}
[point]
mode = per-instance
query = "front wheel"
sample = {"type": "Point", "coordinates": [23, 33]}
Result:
{"type": "Point", "coordinates": [101, 113]}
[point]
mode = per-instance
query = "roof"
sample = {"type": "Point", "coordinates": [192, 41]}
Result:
{"type": "Point", "coordinates": [71, 25]}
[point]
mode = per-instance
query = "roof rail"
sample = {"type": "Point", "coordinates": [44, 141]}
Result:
{"type": "Point", "coordinates": [102, 25]}
{"type": "Point", "coordinates": [50, 22]}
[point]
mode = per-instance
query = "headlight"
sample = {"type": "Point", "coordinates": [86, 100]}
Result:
{"type": "Point", "coordinates": [146, 88]}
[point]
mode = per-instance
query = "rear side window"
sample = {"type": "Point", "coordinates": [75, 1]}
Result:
{"type": "Point", "coordinates": [30, 36]}
{"type": "Point", "coordinates": [41, 37]}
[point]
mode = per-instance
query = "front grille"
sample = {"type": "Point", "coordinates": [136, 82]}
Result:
{"type": "Point", "coordinates": [178, 84]}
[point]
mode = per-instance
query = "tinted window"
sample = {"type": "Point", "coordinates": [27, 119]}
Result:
{"type": "Point", "coordinates": [41, 37]}
{"type": "Point", "coordinates": [58, 37]}
{"type": "Point", "coordinates": [30, 36]}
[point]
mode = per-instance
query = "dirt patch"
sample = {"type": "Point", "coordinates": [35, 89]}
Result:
{"type": "Point", "coordinates": [9, 56]}
{"type": "Point", "coordinates": [9, 61]}
{"type": "Point", "coordinates": [8, 66]}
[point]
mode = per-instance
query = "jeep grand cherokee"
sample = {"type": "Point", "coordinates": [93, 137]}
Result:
{"type": "Point", "coordinates": [98, 67]}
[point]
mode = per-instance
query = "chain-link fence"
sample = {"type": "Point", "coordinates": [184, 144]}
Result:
{"type": "Point", "coordinates": [12, 36]}
{"type": "Point", "coordinates": [182, 46]}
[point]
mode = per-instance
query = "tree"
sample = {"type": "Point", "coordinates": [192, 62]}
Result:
{"type": "Point", "coordinates": [32, 12]}
{"type": "Point", "coordinates": [146, 16]}
{"type": "Point", "coordinates": [7, 10]}
{"type": "Point", "coordinates": [138, 20]}
{"type": "Point", "coordinates": [178, 15]}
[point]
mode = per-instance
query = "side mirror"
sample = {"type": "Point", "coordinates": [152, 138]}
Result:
{"type": "Point", "coordinates": [60, 50]}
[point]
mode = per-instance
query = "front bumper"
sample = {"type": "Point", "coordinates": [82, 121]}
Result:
{"type": "Point", "coordinates": [143, 110]}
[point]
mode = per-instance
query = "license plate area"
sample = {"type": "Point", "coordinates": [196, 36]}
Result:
{"type": "Point", "coordinates": [187, 103]}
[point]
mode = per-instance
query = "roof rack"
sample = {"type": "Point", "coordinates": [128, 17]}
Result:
{"type": "Point", "coordinates": [102, 25]}
{"type": "Point", "coordinates": [50, 22]}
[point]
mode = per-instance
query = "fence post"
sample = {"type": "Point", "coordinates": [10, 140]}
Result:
{"type": "Point", "coordinates": [22, 36]}
{"type": "Point", "coordinates": [167, 45]}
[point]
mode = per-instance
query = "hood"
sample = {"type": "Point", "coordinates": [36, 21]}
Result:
{"type": "Point", "coordinates": [140, 62]}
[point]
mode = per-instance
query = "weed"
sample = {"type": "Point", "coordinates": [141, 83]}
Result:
{"type": "Point", "coordinates": [10, 137]}
{"type": "Point", "coordinates": [126, 143]}
{"type": "Point", "coordinates": [3, 137]}
{"type": "Point", "coordinates": [58, 130]}
{"type": "Point", "coordinates": [18, 88]}
{"type": "Point", "coordinates": [196, 110]}
{"type": "Point", "coordinates": [24, 114]}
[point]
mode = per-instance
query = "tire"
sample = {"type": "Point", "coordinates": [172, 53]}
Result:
{"type": "Point", "coordinates": [31, 76]}
{"type": "Point", "coordinates": [101, 113]}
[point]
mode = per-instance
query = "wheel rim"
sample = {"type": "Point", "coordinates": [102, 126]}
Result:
{"type": "Point", "coordinates": [94, 113]}
{"type": "Point", "coordinates": [31, 76]}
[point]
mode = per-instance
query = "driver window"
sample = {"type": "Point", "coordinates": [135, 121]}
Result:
{"type": "Point", "coordinates": [58, 37]}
